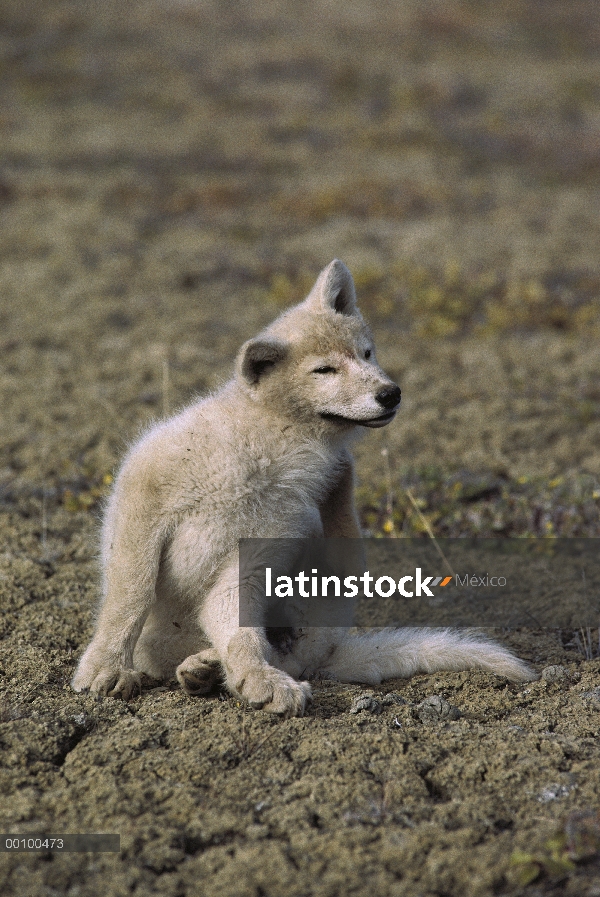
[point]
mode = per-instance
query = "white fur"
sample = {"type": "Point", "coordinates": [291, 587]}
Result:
{"type": "Point", "coordinates": [265, 457]}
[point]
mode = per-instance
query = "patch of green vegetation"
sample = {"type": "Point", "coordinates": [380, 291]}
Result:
{"type": "Point", "coordinates": [457, 302]}
{"type": "Point", "coordinates": [483, 504]}
{"type": "Point", "coordinates": [577, 840]}
{"type": "Point", "coordinates": [87, 493]}
{"type": "Point", "coordinates": [552, 860]}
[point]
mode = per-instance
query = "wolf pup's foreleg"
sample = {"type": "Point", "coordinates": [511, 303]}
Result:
{"type": "Point", "coordinates": [245, 652]}
{"type": "Point", "coordinates": [132, 544]}
{"type": "Point", "coordinates": [338, 512]}
{"type": "Point", "coordinates": [371, 657]}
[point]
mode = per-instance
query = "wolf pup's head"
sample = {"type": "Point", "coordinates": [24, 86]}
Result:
{"type": "Point", "coordinates": [316, 362]}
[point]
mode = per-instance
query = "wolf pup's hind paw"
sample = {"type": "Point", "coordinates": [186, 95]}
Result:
{"type": "Point", "coordinates": [199, 673]}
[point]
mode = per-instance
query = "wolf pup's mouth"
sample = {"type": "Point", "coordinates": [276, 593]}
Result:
{"type": "Point", "coordinates": [373, 422]}
{"type": "Point", "coordinates": [379, 421]}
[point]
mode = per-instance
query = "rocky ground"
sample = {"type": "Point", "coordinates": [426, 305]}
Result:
{"type": "Point", "coordinates": [175, 173]}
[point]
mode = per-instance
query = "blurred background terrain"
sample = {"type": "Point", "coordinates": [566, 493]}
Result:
{"type": "Point", "coordinates": [174, 173]}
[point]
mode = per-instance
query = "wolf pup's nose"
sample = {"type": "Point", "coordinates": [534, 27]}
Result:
{"type": "Point", "coordinates": [389, 397]}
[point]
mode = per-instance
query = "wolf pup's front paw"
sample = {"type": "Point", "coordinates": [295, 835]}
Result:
{"type": "Point", "coordinates": [104, 680]}
{"type": "Point", "coordinates": [275, 691]}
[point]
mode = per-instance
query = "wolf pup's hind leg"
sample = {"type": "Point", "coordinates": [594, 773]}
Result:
{"type": "Point", "coordinates": [199, 673]}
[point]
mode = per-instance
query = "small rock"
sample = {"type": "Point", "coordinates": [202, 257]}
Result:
{"type": "Point", "coordinates": [554, 673]}
{"type": "Point", "coordinates": [392, 698]}
{"type": "Point", "coordinates": [593, 696]}
{"type": "Point", "coordinates": [553, 792]}
{"type": "Point", "coordinates": [365, 701]}
{"type": "Point", "coordinates": [262, 805]}
{"type": "Point", "coordinates": [436, 709]}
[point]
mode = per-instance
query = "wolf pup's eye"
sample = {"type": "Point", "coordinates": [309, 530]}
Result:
{"type": "Point", "coordinates": [368, 353]}
{"type": "Point", "coordinates": [326, 369]}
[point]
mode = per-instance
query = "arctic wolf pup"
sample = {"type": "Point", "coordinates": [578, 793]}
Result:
{"type": "Point", "coordinates": [265, 457]}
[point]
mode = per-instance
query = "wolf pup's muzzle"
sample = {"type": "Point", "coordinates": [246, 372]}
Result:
{"type": "Point", "coordinates": [389, 399]}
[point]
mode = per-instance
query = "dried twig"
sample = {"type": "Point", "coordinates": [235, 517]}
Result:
{"type": "Point", "coordinates": [425, 523]}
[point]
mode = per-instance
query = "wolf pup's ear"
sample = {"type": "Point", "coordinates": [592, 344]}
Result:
{"type": "Point", "coordinates": [258, 356]}
{"type": "Point", "coordinates": [334, 290]}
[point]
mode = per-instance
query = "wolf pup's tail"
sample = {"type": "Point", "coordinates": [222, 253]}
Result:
{"type": "Point", "coordinates": [373, 656]}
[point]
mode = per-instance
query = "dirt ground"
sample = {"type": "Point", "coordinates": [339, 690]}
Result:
{"type": "Point", "coordinates": [173, 174]}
